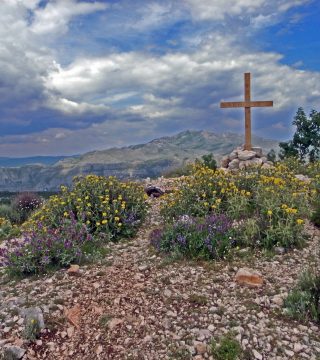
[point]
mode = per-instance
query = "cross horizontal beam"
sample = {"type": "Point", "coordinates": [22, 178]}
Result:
{"type": "Point", "coordinates": [245, 104]}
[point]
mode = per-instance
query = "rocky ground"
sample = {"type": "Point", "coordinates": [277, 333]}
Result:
{"type": "Point", "coordinates": [136, 304]}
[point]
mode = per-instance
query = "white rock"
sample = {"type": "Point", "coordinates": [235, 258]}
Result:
{"type": "Point", "coordinates": [257, 355]}
{"type": "Point", "coordinates": [298, 347]}
{"type": "Point", "coordinates": [289, 352]}
{"type": "Point", "coordinates": [234, 164]}
{"type": "Point", "coordinates": [246, 155]}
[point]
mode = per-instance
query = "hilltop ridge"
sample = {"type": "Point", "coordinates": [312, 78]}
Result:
{"type": "Point", "coordinates": [134, 161]}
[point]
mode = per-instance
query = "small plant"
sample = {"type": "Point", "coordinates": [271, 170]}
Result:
{"type": "Point", "coordinates": [208, 161]}
{"type": "Point", "coordinates": [25, 203]}
{"type": "Point", "coordinates": [104, 320]}
{"type": "Point", "coordinates": [178, 171]}
{"type": "Point", "coordinates": [304, 300]}
{"type": "Point", "coordinates": [315, 217]}
{"type": "Point", "coordinates": [7, 212]}
{"type": "Point", "coordinates": [272, 156]}
{"type": "Point", "coordinates": [228, 348]}
{"type": "Point", "coordinates": [31, 330]}
{"type": "Point", "coordinates": [197, 299]}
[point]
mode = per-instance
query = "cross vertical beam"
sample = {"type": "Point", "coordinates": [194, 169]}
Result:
{"type": "Point", "coordinates": [247, 111]}
{"type": "Point", "coordinates": [247, 104]}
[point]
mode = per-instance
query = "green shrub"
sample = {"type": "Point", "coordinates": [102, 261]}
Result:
{"type": "Point", "coordinates": [178, 171]}
{"type": "Point", "coordinates": [315, 217]}
{"type": "Point", "coordinates": [7, 212]}
{"type": "Point", "coordinates": [228, 348]}
{"type": "Point", "coordinates": [304, 300]}
{"type": "Point", "coordinates": [207, 161]}
{"type": "Point", "coordinates": [105, 205]}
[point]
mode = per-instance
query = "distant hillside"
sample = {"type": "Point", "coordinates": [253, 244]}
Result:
{"type": "Point", "coordinates": [132, 162]}
{"type": "Point", "coordinates": [42, 160]}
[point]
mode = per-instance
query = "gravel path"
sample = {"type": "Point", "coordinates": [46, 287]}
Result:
{"type": "Point", "coordinates": [138, 305]}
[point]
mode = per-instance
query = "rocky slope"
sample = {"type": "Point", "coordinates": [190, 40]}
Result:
{"type": "Point", "coordinates": [136, 304]}
{"type": "Point", "coordinates": [135, 162]}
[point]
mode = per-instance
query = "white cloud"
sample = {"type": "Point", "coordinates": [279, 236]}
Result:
{"type": "Point", "coordinates": [179, 75]}
{"type": "Point", "coordinates": [55, 17]}
{"type": "Point", "coordinates": [71, 107]}
{"type": "Point", "coordinates": [219, 9]}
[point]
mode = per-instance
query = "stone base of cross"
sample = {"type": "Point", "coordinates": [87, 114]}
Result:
{"type": "Point", "coordinates": [247, 104]}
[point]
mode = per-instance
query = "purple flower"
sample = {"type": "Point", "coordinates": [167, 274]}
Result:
{"type": "Point", "coordinates": [181, 240]}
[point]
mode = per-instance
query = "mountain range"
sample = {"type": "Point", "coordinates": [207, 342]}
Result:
{"type": "Point", "coordinates": [131, 162]}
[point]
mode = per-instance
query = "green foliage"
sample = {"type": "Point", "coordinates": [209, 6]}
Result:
{"type": "Point", "coordinates": [105, 205]}
{"type": "Point", "coordinates": [183, 170]}
{"type": "Point", "coordinates": [272, 156]}
{"type": "Point", "coordinates": [306, 139]}
{"type": "Point", "coordinates": [208, 161]}
{"type": "Point", "coordinates": [7, 230]}
{"type": "Point", "coordinates": [304, 300]}
{"type": "Point", "coordinates": [7, 212]}
{"type": "Point", "coordinates": [315, 217]}
{"type": "Point", "coordinates": [228, 348]}
{"type": "Point", "coordinates": [32, 330]}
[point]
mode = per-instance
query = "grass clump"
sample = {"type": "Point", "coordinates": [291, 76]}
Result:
{"type": "Point", "coordinates": [227, 348]}
{"type": "Point", "coordinates": [304, 300]}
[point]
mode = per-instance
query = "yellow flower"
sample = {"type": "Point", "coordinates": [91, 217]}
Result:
{"type": "Point", "coordinates": [88, 222]}
{"type": "Point", "coordinates": [269, 212]}
{"type": "Point", "coordinates": [120, 224]}
{"type": "Point", "coordinates": [300, 221]}
{"type": "Point", "coordinates": [104, 221]}
{"type": "Point", "coordinates": [65, 214]}
{"type": "Point", "coordinates": [116, 218]}
{"type": "Point", "coordinates": [97, 223]}
{"type": "Point", "coordinates": [104, 214]}
{"type": "Point", "coordinates": [89, 204]}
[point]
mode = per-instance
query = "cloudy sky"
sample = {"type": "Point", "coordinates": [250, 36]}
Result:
{"type": "Point", "coordinates": [83, 75]}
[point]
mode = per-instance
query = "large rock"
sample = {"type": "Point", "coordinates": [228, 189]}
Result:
{"type": "Point", "coordinates": [254, 162]}
{"type": "Point", "coordinates": [234, 164]}
{"type": "Point", "coordinates": [249, 277]}
{"type": "Point", "coordinates": [74, 270]}
{"type": "Point", "coordinates": [233, 155]}
{"type": "Point", "coordinates": [246, 155]}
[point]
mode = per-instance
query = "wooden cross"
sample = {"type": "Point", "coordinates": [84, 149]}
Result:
{"type": "Point", "coordinates": [247, 104]}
